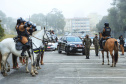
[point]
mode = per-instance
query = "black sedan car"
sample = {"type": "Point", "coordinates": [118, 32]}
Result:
{"type": "Point", "coordinates": [70, 44]}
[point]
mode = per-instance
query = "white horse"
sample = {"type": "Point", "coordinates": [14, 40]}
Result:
{"type": "Point", "coordinates": [7, 46]}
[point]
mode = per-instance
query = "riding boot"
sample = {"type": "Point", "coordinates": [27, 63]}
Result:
{"type": "Point", "coordinates": [101, 47]}
{"type": "Point", "coordinates": [23, 50]}
{"type": "Point", "coordinates": [86, 57]}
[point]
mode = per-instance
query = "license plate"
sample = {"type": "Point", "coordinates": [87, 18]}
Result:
{"type": "Point", "coordinates": [79, 49]}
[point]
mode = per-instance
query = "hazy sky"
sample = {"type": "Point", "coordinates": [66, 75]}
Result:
{"type": "Point", "coordinates": [70, 8]}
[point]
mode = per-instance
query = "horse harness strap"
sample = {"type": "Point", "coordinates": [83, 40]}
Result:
{"type": "Point", "coordinates": [36, 37]}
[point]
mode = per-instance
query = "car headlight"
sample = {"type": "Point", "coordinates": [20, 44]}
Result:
{"type": "Point", "coordinates": [72, 45]}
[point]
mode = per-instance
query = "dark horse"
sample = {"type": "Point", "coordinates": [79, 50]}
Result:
{"type": "Point", "coordinates": [110, 45]}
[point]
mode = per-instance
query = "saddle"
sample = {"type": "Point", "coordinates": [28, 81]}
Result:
{"type": "Point", "coordinates": [18, 44]}
{"type": "Point", "coordinates": [104, 41]}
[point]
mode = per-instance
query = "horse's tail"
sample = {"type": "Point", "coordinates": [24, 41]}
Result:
{"type": "Point", "coordinates": [116, 51]}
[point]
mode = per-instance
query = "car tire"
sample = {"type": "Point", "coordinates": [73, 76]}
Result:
{"type": "Point", "coordinates": [59, 51]}
{"type": "Point", "coordinates": [67, 52]}
{"type": "Point", "coordinates": [83, 53]}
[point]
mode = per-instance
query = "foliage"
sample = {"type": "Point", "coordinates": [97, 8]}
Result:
{"type": "Point", "coordinates": [116, 16]}
{"type": "Point", "coordinates": [100, 25]}
{"type": "Point", "coordinates": [54, 20]}
{"type": "Point", "coordinates": [7, 36]}
{"type": "Point", "coordinates": [39, 19]}
{"type": "Point", "coordinates": [1, 32]}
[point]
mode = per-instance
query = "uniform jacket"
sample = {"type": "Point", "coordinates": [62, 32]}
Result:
{"type": "Point", "coordinates": [96, 41]}
{"type": "Point", "coordinates": [87, 42]}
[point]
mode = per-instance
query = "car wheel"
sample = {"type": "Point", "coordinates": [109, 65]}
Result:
{"type": "Point", "coordinates": [83, 53]}
{"type": "Point", "coordinates": [67, 52]}
{"type": "Point", "coordinates": [59, 51]}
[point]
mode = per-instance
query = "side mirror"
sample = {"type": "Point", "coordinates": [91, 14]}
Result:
{"type": "Point", "coordinates": [64, 41]}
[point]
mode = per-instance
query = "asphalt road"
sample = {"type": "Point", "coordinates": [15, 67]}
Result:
{"type": "Point", "coordinates": [72, 69]}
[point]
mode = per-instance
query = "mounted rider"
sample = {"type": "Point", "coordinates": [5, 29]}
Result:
{"type": "Point", "coordinates": [23, 35]}
{"type": "Point", "coordinates": [106, 33]}
{"type": "Point", "coordinates": [122, 42]}
{"type": "Point", "coordinates": [54, 36]}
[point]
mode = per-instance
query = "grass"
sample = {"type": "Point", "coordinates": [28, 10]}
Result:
{"type": "Point", "coordinates": [7, 36]}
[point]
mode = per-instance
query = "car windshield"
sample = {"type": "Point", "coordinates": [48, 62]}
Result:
{"type": "Point", "coordinates": [73, 39]}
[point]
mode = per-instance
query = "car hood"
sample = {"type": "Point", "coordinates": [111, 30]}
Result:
{"type": "Point", "coordinates": [74, 42]}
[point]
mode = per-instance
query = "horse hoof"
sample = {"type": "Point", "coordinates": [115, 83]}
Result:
{"type": "Point", "coordinates": [111, 66]}
{"type": "Point", "coordinates": [33, 74]}
{"type": "Point", "coordinates": [4, 74]}
{"type": "Point", "coordinates": [38, 68]}
{"type": "Point", "coordinates": [102, 63]}
{"type": "Point", "coordinates": [42, 63]}
{"type": "Point", "coordinates": [27, 71]}
{"type": "Point", "coordinates": [108, 64]}
{"type": "Point", "coordinates": [8, 70]}
{"type": "Point", "coordinates": [36, 72]}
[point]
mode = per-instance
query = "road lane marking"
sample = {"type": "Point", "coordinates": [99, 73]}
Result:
{"type": "Point", "coordinates": [90, 77]}
{"type": "Point", "coordinates": [76, 63]}
{"type": "Point", "coordinates": [96, 68]}
{"type": "Point", "coordinates": [90, 59]}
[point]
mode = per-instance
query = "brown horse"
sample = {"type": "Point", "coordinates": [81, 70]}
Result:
{"type": "Point", "coordinates": [110, 45]}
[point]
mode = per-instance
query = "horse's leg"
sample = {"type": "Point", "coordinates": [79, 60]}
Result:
{"type": "Point", "coordinates": [108, 57]}
{"type": "Point", "coordinates": [32, 67]}
{"type": "Point", "coordinates": [8, 66]}
{"type": "Point", "coordinates": [112, 58]}
{"type": "Point", "coordinates": [27, 71]}
{"type": "Point", "coordinates": [38, 59]}
{"type": "Point", "coordinates": [20, 59]}
{"type": "Point", "coordinates": [15, 63]}
{"type": "Point", "coordinates": [34, 64]}
{"type": "Point", "coordinates": [35, 70]}
{"type": "Point", "coordinates": [23, 60]}
{"type": "Point", "coordinates": [3, 70]}
{"type": "Point", "coordinates": [42, 58]}
{"type": "Point", "coordinates": [102, 57]}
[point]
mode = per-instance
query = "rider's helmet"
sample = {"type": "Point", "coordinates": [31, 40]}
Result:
{"type": "Point", "coordinates": [106, 24]}
{"type": "Point", "coordinates": [23, 21]}
{"type": "Point", "coordinates": [19, 20]}
{"type": "Point", "coordinates": [29, 23]}
{"type": "Point", "coordinates": [34, 26]}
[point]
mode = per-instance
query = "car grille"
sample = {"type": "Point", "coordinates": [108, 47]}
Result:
{"type": "Point", "coordinates": [79, 45]}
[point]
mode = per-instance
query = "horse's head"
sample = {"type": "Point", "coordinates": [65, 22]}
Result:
{"type": "Point", "coordinates": [50, 36]}
{"type": "Point", "coordinates": [47, 35]}
{"type": "Point", "coordinates": [100, 35]}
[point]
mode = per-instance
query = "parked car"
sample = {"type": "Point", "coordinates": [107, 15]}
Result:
{"type": "Point", "coordinates": [52, 46]}
{"type": "Point", "coordinates": [70, 44]}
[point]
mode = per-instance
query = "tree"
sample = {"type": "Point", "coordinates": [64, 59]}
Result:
{"type": "Point", "coordinates": [56, 20]}
{"type": "Point", "coordinates": [1, 32]}
{"type": "Point", "coordinates": [100, 25]}
{"type": "Point", "coordinates": [39, 19]}
{"type": "Point", "coordinates": [113, 18]}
